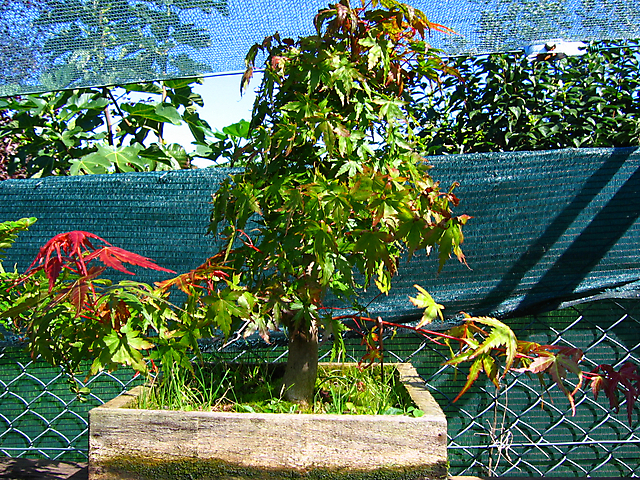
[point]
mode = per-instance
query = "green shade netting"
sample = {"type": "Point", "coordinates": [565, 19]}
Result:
{"type": "Point", "coordinates": [549, 229]}
{"type": "Point", "coordinates": [53, 44]}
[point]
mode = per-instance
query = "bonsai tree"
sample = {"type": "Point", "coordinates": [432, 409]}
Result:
{"type": "Point", "coordinates": [335, 189]}
{"type": "Point", "coordinates": [334, 193]}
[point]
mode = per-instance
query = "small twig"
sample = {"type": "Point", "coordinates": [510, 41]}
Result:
{"type": "Point", "coordinates": [115, 104]}
{"type": "Point", "coordinates": [114, 101]}
{"type": "Point", "coordinates": [421, 331]}
{"type": "Point", "coordinates": [107, 116]}
{"type": "Point", "coordinates": [161, 125]}
{"type": "Point", "coordinates": [380, 333]}
{"type": "Point", "coordinates": [237, 336]}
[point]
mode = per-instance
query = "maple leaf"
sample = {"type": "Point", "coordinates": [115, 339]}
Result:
{"type": "Point", "coordinates": [432, 310]}
{"type": "Point", "coordinates": [451, 240]}
{"type": "Point", "coordinates": [63, 249]}
{"type": "Point", "coordinates": [78, 291]}
{"type": "Point", "coordinates": [557, 366]}
{"type": "Point", "coordinates": [567, 360]}
{"type": "Point", "coordinates": [612, 382]}
{"type": "Point", "coordinates": [441, 28]}
{"type": "Point", "coordinates": [374, 246]}
{"type": "Point", "coordinates": [246, 78]}
{"type": "Point", "coordinates": [500, 335]}
{"type": "Point", "coordinates": [500, 338]}
{"type": "Point", "coordinates": [208, 272]}
{"type": "Point", "coordinates": [124, 348]}
{"type": "Point", "coordinates": [474, 372]}
{"type": "Point", "coordinates": [114, 256]}
{"type": "Point", "coordinates": [538, 365]}
{"type": "Point", "coordinates": [74, 250]}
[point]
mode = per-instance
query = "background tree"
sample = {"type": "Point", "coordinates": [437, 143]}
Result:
{"type": "Point", "coordinates": [102, 130]}
{"type": "Point", "coordinates": [508, 103]}
{"type": "Point", "coordinates": [106, 42]}
{"type": "Point", "coordinates": [8, 147]}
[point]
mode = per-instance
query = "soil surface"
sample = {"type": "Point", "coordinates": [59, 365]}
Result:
{"type": "Point", "coordinates": [29, 469]}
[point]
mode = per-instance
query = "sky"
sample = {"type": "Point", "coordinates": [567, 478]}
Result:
{"type": "Point", "coordinates": [223, 105]}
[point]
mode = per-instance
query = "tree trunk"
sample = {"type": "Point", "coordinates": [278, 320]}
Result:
{"type": "Point", "coordinates": [302, 365]}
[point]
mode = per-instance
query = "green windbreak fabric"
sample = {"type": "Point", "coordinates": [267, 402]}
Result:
{"type": "Point", "coordinates": [548, 228]}
{"type": "Point", "coordinates": [161, 215]}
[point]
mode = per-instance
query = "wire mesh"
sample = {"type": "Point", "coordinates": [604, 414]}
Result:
{"type": "Point", "coordinates": [525, 429]}
{"type": "Point", "coordinates": [522, 429]}
{"type": "Point", "coordinates": [39, 416]}
{"type": "Point", "coordinates": [49, 44]}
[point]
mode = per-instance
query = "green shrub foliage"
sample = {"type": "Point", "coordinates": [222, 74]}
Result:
{"type": "Point", "coordinates": [509, 103]}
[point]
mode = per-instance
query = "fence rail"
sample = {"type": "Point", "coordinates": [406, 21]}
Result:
{"type": "Point", "coordinates": [522, 429]}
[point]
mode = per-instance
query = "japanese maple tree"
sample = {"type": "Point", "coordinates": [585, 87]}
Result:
{"type": "Point", "coordinates": [70, 314]}
{"type": "Point", "coordinates": [336, 191]}
{"type": "Point", "coordinates": [335, 188]}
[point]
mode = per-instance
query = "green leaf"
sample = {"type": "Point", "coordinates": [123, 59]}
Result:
{"type": "Point", "coordinates": [239, 129]}
{"type": "Point", "coordinates": [501, 336]}
{"type": "Point", "coordinates": [393, 411]}
{"type": "Point", "coordinates": [123, 348]}
{"type": "Point", "coordinates": [157, 112]}
{"type": "Point", "coordinates": [9, 232]}
{"type": "Point", "coordinates": [224, 305]}
{"type": "Point", "coordinates": [450, 241]}
{"type": "Point", "coordinates": [169, 113]}
{"type": "Point", "coordinates": [376, 53]}
{"type": "Point", "coordinates": [432, 310]}
{"type": "Point", "coordinates": [500, 339]}
{"type": "Point", "coordinates": [322, 239]}
{"type": "Point", "coordinates": [87, 101]}
{"type": "Point", "coordinates": [22, 307]}
{"type": "Point", "coordinates": [416, 412]}
{"type": "Point", "coordinates": [106, 158]}
{"type": "Point", "coordinates": [383, 279]}
{"type": "Point", "coordinates": [474, 371]}
{"type": "Point", "coordinates": [373, 245]}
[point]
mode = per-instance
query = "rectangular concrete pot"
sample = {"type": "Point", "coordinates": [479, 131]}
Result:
{"type": "Point", "coordinates": [127, 443]}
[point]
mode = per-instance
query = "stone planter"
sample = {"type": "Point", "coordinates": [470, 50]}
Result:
{"type": "Point", "coordinates": [126, 443]}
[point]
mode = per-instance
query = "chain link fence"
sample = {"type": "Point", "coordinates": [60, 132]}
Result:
{"type": "Point", "coordinates": [523, 429]}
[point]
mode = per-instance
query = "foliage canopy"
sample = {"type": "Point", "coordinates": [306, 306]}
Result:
{"type": "Point", "coordinates": [90, 131]}
{"type": "Point", "coordinates": [335, 190]}
{"type": "Point", "coordinates": [508, 103]}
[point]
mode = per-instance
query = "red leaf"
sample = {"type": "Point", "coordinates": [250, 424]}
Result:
{"type": "Point", "coordinates": [342, 13]}
{"type": "Point", "coordinates": [613, 382]}
{"type": "Point", "coordinates": [81, 287]}
{"type": "Point", "coordinates": [246, 78]}
{"type": "Point", "coordinates": [597, 383]}
{"type": "Point", "coordinates": [114, 256]}
{"type": "Point", "coordinates": [557, 366]}
{"type": "Point", "coordinates": [206, 272]}
{"type": "Point", "coordinates": [74, 250]}
{"type": "Point", "coordinates": [441, 28]}
{"type": "Point", "coordinates": [538, 365]}
{"type": "Point", "coordinates": [62, 250]}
